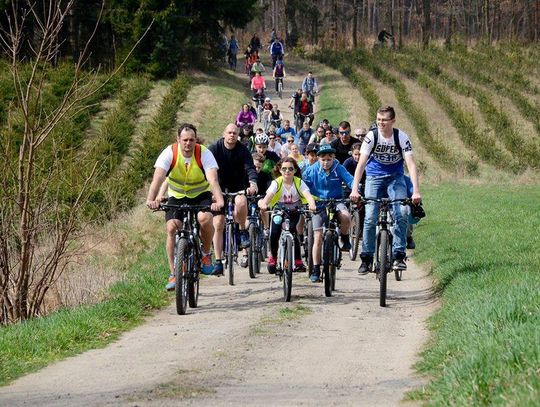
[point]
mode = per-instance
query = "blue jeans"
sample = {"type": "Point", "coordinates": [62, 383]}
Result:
{"type": "Point", "coordinates": [392, 186]}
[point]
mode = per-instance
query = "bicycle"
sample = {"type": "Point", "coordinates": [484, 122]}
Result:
{"type": "Point", "coordinates": [230, 235]}
{"type": "Point", "coordinates": [256, 236]}
{"type": "Point", "coordinates": [279, 86]}
{"type": "Point", "coordinates": [308, 242]}
{"type": "Point", "coordinates": [383, 250]}
{"type": "Point", "coordinates": [331, 253]}
{"type": "Point", "coordinates": [356, 229]}
{"type": "Point", "coordinates": [285, 255]}
{"type": "Point", "coordinates": [187, 256]}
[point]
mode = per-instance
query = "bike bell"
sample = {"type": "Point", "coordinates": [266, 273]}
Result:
{"type": "Point", "coordinates": [277, 219]}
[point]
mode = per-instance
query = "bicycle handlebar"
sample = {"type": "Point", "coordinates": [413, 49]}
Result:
{"type": "Point", "coordinates": [168, 207]}
{"type": "Point", "coordinates": [405, 201]}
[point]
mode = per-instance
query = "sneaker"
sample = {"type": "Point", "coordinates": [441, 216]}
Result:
{"type": "Point", "coordinates": [218, 268]}
{"type": "Point", "coordinates": [244, 239]}
{"type": "Point", "coordinates": [171, 284]}
{"type": "Point", "coordinates": [271, 265]}
{"type": "Point", "coordinates": [399, 262]}
{"type": "Point", "coordinates": [315, 276]}
{"type": "Point", "coordinates": [299, 266]}
{"type": "Point", "coordinates": [207, 266]}
{"type": "Point", "coordinates": [365, 267]}
{"type": "Point", "coordinates": [410, 243]}
{"type": "Point", "coordinates": [345, 243]}
{"type": "Point", "coordinates": [244, 261]}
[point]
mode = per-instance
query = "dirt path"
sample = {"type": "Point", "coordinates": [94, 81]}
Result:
{"type": "Point", "coordinates": [245, 346]}
{"type": "Point", "coordinates": [240, 348]}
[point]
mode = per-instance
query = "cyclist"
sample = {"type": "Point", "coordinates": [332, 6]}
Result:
{"type": "Point", "coordinates": [236, 173]}
{"type": "Point", "coordinates": [270, 157]}
{"type": "Point", "coordinates": [258, 86]}
{"type": "Point", "coordinates": [274, 143]}
{"type": "Point", "coordinates": [285, 148]}
{"type": "Point", "coordinates": [304, 135]}
{"type": "Point", "coordinates": [255, 43]}
{"type": "Point", "coordinates": [351, 162]}
{"type": "Point", "coordinates": [279, 73]}
{"type": "Point", "coordinates": [258, 67]}
{"type": "Point", "coordinates": [245, 116]}
{"type": "Point", "coordinates": [324, 179]}
{"type": "Point", "coordinates": [304, 112]}
{"type": "Point", "coordinates": [383, 36]}
{"type": "Point", "coordinates": [344, 143]}
{"type": "Point", "coordinates": [247, 137]}
{"type": "Point", "coordinates": [295, 100]}
{"type": "Point", "coordinates": [275, 116]}
{"type": "Point", "coordinates": [289, 190]}
{"type": "Point", "coordinates": [310, 86]}
{"type": "Point", "coordinates": [310, 156]}
{"type": "Point", "coordinates": [232, 52]}
{"type": "Point", "coordinates": [276, 51]}
{"type": "Point", "coordinates": [285, 131]}
{"type": "Point", "coordinates": [317, 136]}
{"type": "Point", "coordinates": [329, 137]}
{"type": "Point", "coordinates": [191, 174]}
{"type": "Point", "coordinates": [294, 152]}
{"type": "Point", "coordinates": [267, 109]}
{"type": "Point", "coordinates": [382, 155]}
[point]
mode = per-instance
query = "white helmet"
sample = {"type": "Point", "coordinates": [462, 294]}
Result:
{"type": "Point", "coordinates": [262, 139]}
{"type": "Point", "coordinates": [267, 100]}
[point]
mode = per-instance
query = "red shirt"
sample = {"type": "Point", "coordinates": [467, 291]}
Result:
{"type": "Point", "coordinates": [304, 107]}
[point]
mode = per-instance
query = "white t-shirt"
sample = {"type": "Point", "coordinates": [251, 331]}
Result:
{"type": "Point", "coordinates": [164, 160]}
{"type": "Point", "coordinates": [276, 149]}
{"type": "Point", "coordinates": [289, 196]}
{"type": "Point", "coordinates": [385, 158]}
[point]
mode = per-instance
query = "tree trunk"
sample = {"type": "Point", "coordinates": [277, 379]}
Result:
{"type": "Point", "coordinates": [426, 26]}
{"type": "Point", "coordinates": [355, 23]}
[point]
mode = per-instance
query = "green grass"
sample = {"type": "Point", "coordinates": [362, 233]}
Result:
{"type": "Point", "coordinates": [483, 246]}
{"type": "Point", "coordinates": [270, 322]}
{"type": "Point", "coordinates": [330, 107]}
{"type": "Point", "coordinates": [31, 345]}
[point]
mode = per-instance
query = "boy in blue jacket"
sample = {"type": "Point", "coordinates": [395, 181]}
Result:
{"type": "Point", "coordinates": [324, 179]}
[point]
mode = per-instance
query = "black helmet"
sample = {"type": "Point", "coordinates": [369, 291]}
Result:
{"type": "Point", "coordinates": [417, 211]}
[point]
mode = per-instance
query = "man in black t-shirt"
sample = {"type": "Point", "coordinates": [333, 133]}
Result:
{"type": "Point", "coordinates": [234, 161]}
{"type": "Point", "coordinates": [344, 142]}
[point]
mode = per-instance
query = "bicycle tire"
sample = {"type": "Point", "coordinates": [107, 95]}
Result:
{"type": "Point", "coordinates": [309, 248]}
{"type": "Point", "coordinates": [181, 270]}
{"type": "Point", "coordinates": [327, 255]}
{"type": "Point", "coordinates": [193, 285]}
{"type": "Point", "coordinates": [335, 262]}
{"type": "Point", "coordinates": [252, 250]}
{"type": "Point", "coordinates": [230, 252]}
{"type": "Point", "coordinates": [383, 251]}
{"type": "Point", "coordinates": [355, 233]}
{"type": "Point", "coordinates": [280, 89]}
{"type": "Point", "coordinates": [288, 268]}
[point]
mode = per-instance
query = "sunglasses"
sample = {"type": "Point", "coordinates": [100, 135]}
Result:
{"type": "Point", "coordinates": [290, 141]}
{"type": "Point", "coordinates": [345, 133]}
{"type": "Point", "coordinates": [328, 132]}
{"type": "Point", "coordinates": [287, 169]}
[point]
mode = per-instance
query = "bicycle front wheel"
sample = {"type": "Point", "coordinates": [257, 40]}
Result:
{"type": "Point", "coordinates": [280, 89]}
{"type": "Point", "coordinates": [327, 260]}
{"type": "Point", "coordinates": [193, 284]}
{"type": "Point", "coordinates": [309, 246]}
{"type": "Point", "coordinates": [288, 268]}
{"type": "Point", "coordinates": [356, 234]}
{"type": "Point", "coordinates": [181, 268]}
{"type": "Point", "coordinates": [230, 252]}
{"type": "Point", "coordinates": [383, 252]}
{"type": "Point", "coordinates": [253, 255]}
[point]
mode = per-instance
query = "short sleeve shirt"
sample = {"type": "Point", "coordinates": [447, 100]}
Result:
{"type": "Point", "coordinates": [165, 159]}
{"type": "Point", "coordinates": [289, 195]}
{"type": "Point", "coordinates": [385, 158]}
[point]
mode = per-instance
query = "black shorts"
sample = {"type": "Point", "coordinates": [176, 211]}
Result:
{"type": "Point", "coordinates": [203, 199]}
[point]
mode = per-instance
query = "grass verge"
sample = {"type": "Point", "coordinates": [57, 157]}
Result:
{"type": "Point", "coordinates": [485, 347]}
{"type": "Point", "coordinates": [285, 314]}
{"type": "Point", "coordinates": [31, 345]}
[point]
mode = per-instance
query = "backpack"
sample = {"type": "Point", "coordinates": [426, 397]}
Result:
{"type": "Point", "coordinates": [196, 155]}
{"type": "Point", "coordinates": [396, 141]}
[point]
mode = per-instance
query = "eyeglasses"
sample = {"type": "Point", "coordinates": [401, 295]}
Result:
{"type": "Point", "coordinates": [328, 132]}
{"type": "Point", "coordinates": [345, 133]}
{"type": "Point", "coordinates": [287, 169]}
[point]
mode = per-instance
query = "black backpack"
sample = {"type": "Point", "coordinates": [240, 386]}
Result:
{"type": "Point", "coordinates": [396, 140]}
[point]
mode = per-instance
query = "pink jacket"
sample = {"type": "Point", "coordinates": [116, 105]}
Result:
{"type": "Point", "coordinates": [257, 83]}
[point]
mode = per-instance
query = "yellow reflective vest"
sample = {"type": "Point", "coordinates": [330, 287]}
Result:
{"type": "Point", "coordinates": [279, 180]}
{"type": "Point", "coordinates": [187, 181]}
